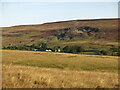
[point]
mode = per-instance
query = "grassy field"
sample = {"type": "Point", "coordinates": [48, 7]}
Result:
{"type": "Point", "coordinates": [32, 69]}
{"type": "Point", "coordinates": [34, 77]}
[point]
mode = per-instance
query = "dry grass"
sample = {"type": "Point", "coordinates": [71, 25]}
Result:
{"type": "Point", "coordinates": [31, 69]}
{"type": "Point", "coordinates": [61, 60]}
{"type": "Point", "coordinates": [34, 77]}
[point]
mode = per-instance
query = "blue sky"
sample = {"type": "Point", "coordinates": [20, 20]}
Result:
{"type": "Point", "coordinates": [22, 13]}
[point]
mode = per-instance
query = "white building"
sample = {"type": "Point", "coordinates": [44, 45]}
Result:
{"type": "Point", "coordinates": [48, 50]}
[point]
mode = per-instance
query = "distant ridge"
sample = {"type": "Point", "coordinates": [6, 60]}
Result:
{"type": "Point", "coordinates": [68, 21]}
{"type": "Point", "coordinates": [55, 32]}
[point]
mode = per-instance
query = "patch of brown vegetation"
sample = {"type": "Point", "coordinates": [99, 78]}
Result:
{"type": "Point", "coordinates": [12, 35]}
{"type": "Point", "coordinates": [25, 31]}
{"type": "Point", "coordinates": [44, 34]}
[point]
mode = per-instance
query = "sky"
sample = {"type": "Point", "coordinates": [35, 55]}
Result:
{"type": "Point", "coordinates": [24, 13]}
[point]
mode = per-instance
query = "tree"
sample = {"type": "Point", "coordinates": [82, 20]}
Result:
{"type": "Point", "coordinates": [102, 52]}
{"type": "Point", "coordinates": [66, 49]}
{"type": "Point", "coordinates": [73, 49]}
{"type": "Point", "coordinates": [43, 46]}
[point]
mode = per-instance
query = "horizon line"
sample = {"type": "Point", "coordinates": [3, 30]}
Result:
{"type": "Point", "coordinates": [62, 21]}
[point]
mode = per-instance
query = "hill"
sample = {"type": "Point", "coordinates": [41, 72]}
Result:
{"type": "Point", "coordinates": [75, 30]}
{"type": "Point", "coordinates": [93, 35]}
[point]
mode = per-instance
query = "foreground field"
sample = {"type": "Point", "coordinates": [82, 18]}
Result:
{"type": "Point", "coordinates": [30, 69]}
{"type": "Point", "coordinates": [34, 77]}
{"type": "Point", "coordinates": [61, 60]}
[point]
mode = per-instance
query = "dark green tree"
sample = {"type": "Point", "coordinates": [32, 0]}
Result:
{"type": "Point", "coordinates": [43, 46]}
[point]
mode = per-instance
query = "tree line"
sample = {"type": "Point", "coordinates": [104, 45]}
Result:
{"type": "Point", "coordinates": [65, 49]}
